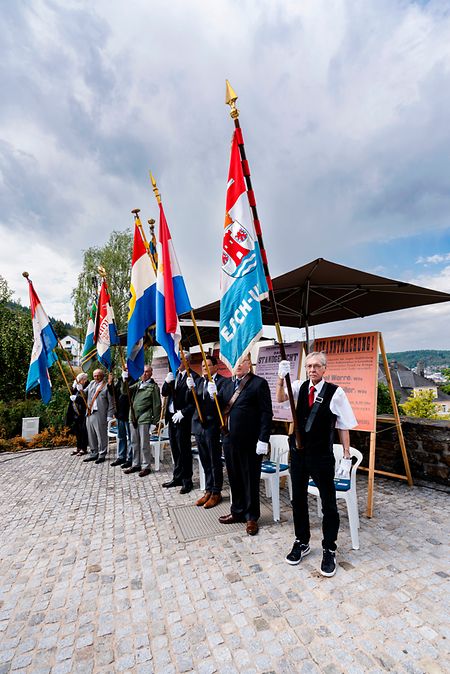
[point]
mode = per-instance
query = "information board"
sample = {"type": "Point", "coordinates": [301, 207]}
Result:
{"type": "Point", "coordinates": [267, 367]}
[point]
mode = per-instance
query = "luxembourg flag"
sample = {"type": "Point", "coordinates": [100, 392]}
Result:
{"type": "Point", "coordinates": [142, 311]}
{"type": "Point", "coordinates": [243, 283]}
{"type": "Point", "coordinates": [42, 356]}
{"type": "Point", "coordinates": [171, 295]}
{"type": "Point", "coordinates": [89, 350]}
{"type": "Point", "coordinates": [105, 333]}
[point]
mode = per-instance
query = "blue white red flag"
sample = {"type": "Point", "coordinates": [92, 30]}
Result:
{"type": "Point", "coordinates": [89, 349]}
{"type": "Point", "coordinates": [105, 332]}
{"type": "Point", "coordinates": [171, 295]}
{"type": "Point", "coordinates": [42, 356]}
{"type": "Point", "coordinates": [142, 311]}
{"type": "Point", "coordinates": [243, 283]}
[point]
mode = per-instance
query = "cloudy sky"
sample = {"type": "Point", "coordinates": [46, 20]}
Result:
{"type": "Point", "coordinates": [345, 110]}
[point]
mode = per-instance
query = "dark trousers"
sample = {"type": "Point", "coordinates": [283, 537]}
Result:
{"type": "Point", "coordinates": [81, 433]}
{"type": "Point", "coordinates": [244, 474]}
{"type": "Point", "coordinates": [321, 470]}
{"type": "Point", "coordinates": [180, 444]}
{"type": "Point", "coordinates": [210, 452]}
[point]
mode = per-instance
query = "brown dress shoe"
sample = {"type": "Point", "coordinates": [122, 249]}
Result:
{"type": "Point", "coordinates": [252, 528]}
{"type": "Point", "coordinates": [213, 500]}
{"type": "Point", "coordinates": [229, 519]}
{"type": "Point", "coordinates": [144, 472]}
{"type": "Point", "coordinates": [203, 499]}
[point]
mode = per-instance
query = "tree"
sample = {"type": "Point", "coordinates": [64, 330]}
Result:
{"type": "Point", "coordinates": [420, 405]}
{"type": "Point", "coordinates": [446, 387]}
{"type": "Point", "coordinates": [384, 404]}
{"type": "Point", "coordinates": [115, 257]}
{"type": "Point", "coordinates": [16, 341]}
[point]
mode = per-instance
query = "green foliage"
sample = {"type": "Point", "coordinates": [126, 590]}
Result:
{"type": "Point", "coordinates": [384, 404]}
{"type": "Point", "coordinates": [115, 257]}
{"type": "Point", "coordinates": [62, 329]}
{"type": "Point", "coordinates": [429, 357]}
{"type": "Point", "coordinates": [16, 340]}
{"type": "Point", "coordinates": [421, 405]}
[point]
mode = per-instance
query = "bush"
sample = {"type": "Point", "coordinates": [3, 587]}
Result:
{"type": "Point", "coordinates": [51, 415]}
{"type": "Point", "coordinates": [49, 437]}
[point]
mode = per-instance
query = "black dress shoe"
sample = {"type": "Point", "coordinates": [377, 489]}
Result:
{"type": "Point", "coordinates": [127, 464]}
{"type": "Point", "coordinates": [230, 519]}
{"type": "Point", "coordinates": [101, 459]}
{"type": "Point", "coordinates": [186, 488]}
{"type": "Point", "coordinates": [118, 462]}
{"type": "Point", "coordinates": [172, 483]}
{"type": "Point", "coordinates": [94, 457]}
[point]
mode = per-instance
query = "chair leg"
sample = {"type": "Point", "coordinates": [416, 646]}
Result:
{"type": "Point", "coordinates": [156, 446]}
{"type": "Point", "coordinates": [267, 486]}
{"type": "Point", "coordinates": [319, 506]}
{"type": "Point", "coordinates": [352, 511]}
{"type": "Point", "coordinates": [289, 481]}
{"type": "Point", "coordinates": [275, 489]}
{"type": "Point", "coordinates": [201, 474]}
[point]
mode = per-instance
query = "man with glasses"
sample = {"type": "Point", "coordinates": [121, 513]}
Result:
{"type": "Point", "coordinates": [321, 407]}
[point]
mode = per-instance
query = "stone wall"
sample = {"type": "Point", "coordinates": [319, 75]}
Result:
{"type": "Point", "coordinates": [427, 443]}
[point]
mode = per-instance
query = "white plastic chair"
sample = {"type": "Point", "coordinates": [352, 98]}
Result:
{"type": "Point", "coordinates": [276, 468]}
{"type": "Point", "coordinates": [201, 472]}
{"type": "Point", "coordinates": [345, 489]}
{"type": "Point", "coordinates": [112, 429]}
{"type": "Point", "coordinates": [158, 443]}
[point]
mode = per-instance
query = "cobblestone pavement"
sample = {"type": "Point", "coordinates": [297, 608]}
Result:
{"type": "Point", "coordinates": [94, 579]}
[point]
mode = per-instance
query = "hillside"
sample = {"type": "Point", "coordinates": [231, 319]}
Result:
{"type": "Point", "coordinates": [430, 358]}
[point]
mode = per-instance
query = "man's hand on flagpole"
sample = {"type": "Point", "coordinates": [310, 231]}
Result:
{"type": "Point", "coordinates": [284, 368]}
{"type": "Point", "coordinates": [169, 378]}
{"type": "Point", "coordinates": [125, 375]}
{"type": "Point", "coordinates": [212, 389]}
{"type": "Point", "coordinates": [190, 383]}
{"type": "Point", "coordinates": [262, 447]}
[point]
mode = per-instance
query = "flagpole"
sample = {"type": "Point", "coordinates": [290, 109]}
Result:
{"type": "Point", "coordinates": [154, 255]}
{"type": "Point", "coordinates": [194, 393]}
{"type": "Point", "coordinates": [230, 99]}
{"type": "Point", "coordinates": [102, 271]}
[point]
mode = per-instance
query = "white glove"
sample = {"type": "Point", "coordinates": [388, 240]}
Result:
{"type": "Point", "coordinates": [284, 368]}
{"type": "Point", "coordinates": [125, 375]}
{"type": "Point", "coordinates": [75, 383]}
{"type": "Point", "coordinates": [79, 387]}
{"type": "Point", "coordinates": [262, 447]}
{"type": "Point", "coordinates": [190, 383]}
{"type": "Point", "coordinates": [212, 389]}
{"type": "Point", "coordinates": [73, 398]}
{"type": "Point", "coordinates": [169, 378]}
{"type": "Point", "coordinates": [109, 418]}
{"type": "Point", "coordinates": [177, 417]}
{"type": "Point", "coordinates": [344, 468]}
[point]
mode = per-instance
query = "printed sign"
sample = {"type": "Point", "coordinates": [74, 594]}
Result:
{"type": "Point", "coordinates": [267, 367]}
{"type": "Point", "coordinates": [353, 365]}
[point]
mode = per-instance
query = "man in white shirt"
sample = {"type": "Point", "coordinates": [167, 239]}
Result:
{"type": "Point", "coordinates": [321, 407]}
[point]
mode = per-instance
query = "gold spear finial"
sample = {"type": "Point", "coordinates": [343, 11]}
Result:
{"type": "Point", "coordinates": [136, 211]}
{"type": "Point", "coordinates": [155, 189]}
{"type": "Point", "coordinates": [230, 99]}
{"type": "Point", "coordinates": [25, 274]}
{"type": "Point", "coordinates": [101, 270]}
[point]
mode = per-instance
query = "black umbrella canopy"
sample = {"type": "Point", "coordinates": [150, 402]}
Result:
{"type": "Point", "coordinates": [324, 292]}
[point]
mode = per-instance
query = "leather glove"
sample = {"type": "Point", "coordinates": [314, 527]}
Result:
{"type": "Point", "coordinates": [190, 383]}
{"type": "Point", "coordinates": [169, 378]}
{"type": "Point", "coordinates": [79, 387]}
{"type": "Point", "coordinates": [344, 468]}
{"type": "Point", "coordinates": [125, 375]}
{"type": "Point", "coordinates": [262, 447]}
{"type": "Point", "coordinates": [284, 368]}
{"type": "Point", "coordinates": [177, 417]}
{"type": "Point", "coordinates": [212, 389]}
{"type": "Point", "coordinates": [73, 398]}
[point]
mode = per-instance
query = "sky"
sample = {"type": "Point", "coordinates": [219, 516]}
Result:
{"type": "Point", "coordinates": [344, 107]}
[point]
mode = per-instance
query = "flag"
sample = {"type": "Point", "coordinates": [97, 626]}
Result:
{"type": "Point", "coordinates": [105, 331]}
{"type": "Point", "coordinates": [42, 355]}
{"type": "Point", "coordinates": [141, 314]}
{"type": "Point", "coordinates": [243, 283]}
{"type": "Point", "coordinates": [89, 349]}
{"type": "Point", "coordinates": [171, 295]}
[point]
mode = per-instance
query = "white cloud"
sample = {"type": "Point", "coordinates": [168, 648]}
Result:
{"type": "Point", "coordinates": [434, 259]}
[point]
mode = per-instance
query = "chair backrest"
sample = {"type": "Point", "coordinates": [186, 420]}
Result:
{"type": "Point", "coordinates": [338, 451]}
{"type": "Point", "coordinates": [279, 448]}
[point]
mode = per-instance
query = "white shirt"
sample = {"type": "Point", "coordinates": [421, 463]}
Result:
{"type": "Point", "coordinates": [339, 404]}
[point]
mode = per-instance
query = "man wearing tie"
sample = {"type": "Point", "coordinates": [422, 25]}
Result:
{"type": "Point", "coordinates": [321, 407]}
{"type": "Point", "coordinates": [207, 434]}
{"type": "Point", "coordinates": [179, 417]}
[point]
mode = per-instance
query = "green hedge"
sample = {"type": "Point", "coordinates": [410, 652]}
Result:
{"type": "Point", "coordinates": [53, 414]}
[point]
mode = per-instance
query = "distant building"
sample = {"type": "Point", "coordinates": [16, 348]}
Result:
{"type": "Point", "coordinates": [73, 347]}
{"type": "Point", "coordinates": [407, 383]}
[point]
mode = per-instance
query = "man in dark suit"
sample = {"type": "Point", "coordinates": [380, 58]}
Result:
{"type": "Point", "coordinates": [179, 417]}
{"type": "Point", "coordinates": [249, 424]}
{"type": "Point", "coordinates": [207, 434]}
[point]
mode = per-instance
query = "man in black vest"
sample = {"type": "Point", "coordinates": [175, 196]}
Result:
{"type": "Point", "coordinates": [207, 434]}
{"type": "Point", "coordinates": [249, 424]}
{"type": "Point", "coordinates": [179, 417]}
{"type": "Point", "coordinates": [321, 407]}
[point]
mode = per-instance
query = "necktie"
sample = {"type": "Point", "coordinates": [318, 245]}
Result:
{"type": "Point", "coordinates": [311, 396]}
{"type": "Point", "coordinates": [236, 383]}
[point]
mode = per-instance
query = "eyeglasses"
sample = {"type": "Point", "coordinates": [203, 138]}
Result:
{"type": "Point", "coordinates": [315, 367]}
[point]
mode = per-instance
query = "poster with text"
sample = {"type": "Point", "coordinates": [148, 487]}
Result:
{"type": "Point", "coordinates": [160, 369]}
{"type": "Point", "coordinates": [353, 365]}
{"type": "Point", "coordinates": [267, 367]}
